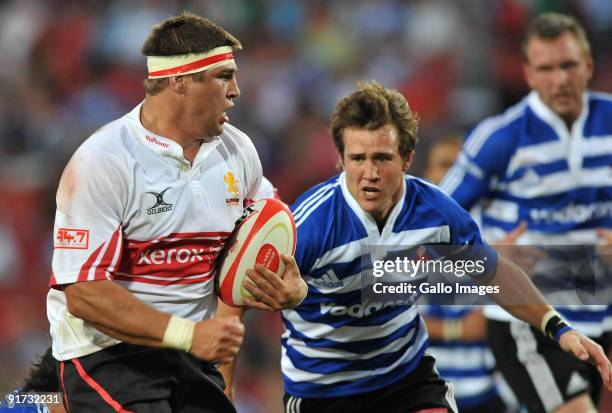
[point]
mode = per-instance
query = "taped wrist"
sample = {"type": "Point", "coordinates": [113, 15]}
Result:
{"type": "Point", "coordinates": [554, 326]}
{"type": "Point", "coordinates": [452, 330]}
{"type": "Point", "coordinates": [179, 333]}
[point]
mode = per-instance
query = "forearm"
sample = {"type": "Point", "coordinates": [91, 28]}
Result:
{"type": "Point", "coordinates": [517, 294]}
{"type": "Point", "coordinates": [228, 370]}
{"type": "Point", "coordinates": [116, 312]}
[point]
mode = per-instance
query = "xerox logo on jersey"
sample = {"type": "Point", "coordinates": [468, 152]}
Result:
{"type": "Point", "coordinates": [178, 255]}
{"type": "Point", "coordinates": [160, 205]}
{"type": "Point", "coordinates": [177, 259]}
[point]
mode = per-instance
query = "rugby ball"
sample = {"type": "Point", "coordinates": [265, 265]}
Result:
{"type": "Point", "coordinates": [265, 230]}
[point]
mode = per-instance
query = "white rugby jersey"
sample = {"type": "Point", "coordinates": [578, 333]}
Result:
{"type": "Point", "coordinates": [525, 165]}
{"type": "Point", "coordinates": [132, 209]}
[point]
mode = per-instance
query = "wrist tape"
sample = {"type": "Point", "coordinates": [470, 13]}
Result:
{"type": "Point", "coordinates": [553, 325]}
{"type": "Point", "coordinates": [179, 333]}
{"type": "Point", "coordinates": [452, 330]}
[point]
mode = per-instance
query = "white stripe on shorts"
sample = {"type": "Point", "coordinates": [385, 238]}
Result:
{"type": "Point", "coordinates": [537, 368]}
{"type": "Point", "coordinates": [293, 405]}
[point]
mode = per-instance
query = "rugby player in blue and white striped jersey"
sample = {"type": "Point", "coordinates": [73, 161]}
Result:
{"type": "Point", "coordinates": [345, 354]}
{"type": "Point", "coordinates": [545, 162]}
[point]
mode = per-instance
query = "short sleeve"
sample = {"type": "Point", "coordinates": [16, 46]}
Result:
{"type": "Point", "coordinates": [310, 235]}
{"type": "Point", "coordinates": [266, 190]}
{"type": "Point", "coordinates": [91, 200]}
{"type": "Point", "coordinates": [253, 172]}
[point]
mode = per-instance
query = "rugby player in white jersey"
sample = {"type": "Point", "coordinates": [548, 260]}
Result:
{"type": "Point", "coordinates": [143, 210]}
{"type": "Point", "coordinates": [342, 354]}
{"type": "Point", "coordinates": [545, 163]}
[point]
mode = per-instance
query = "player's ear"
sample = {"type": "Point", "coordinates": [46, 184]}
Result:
{"type": "Point", "coordinates": [178, 85]}
{"type": "Point", "coordinates": [590, 67]}
{"type": "Point", "coordinates": [408, 160]}
{"type": "Point", "coordinates": [340, 161]}
{"type": "Point", "coordinates": [529, 75]}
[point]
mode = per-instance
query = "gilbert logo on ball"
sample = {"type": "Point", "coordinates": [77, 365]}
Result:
{"type": "Point", "coordinates": [265, 231]}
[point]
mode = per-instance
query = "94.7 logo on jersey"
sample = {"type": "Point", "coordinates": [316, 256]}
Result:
{"type": "Point", "coordinates": [72, 239]}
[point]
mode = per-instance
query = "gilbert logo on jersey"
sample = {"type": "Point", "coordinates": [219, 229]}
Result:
{"type": "Point", "coordinates": [160, 204]}
{"type": "Point", "coordinates": [233, 197]}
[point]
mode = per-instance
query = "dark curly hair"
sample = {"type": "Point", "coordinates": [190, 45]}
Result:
{"type": "Point", "coordinates": [42, 377]}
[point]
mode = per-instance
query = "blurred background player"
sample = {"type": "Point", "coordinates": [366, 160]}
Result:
{"type": "Point", "coordinates": [545, 162]}
{"type": "Point", "coordinates": [143, 210]}
{"type": "Point", "coordinates": [457, 333]}
{"type": "Point", "coordinates": [440, 154]}
{"type": "Point", "coordinates": [458, 341]}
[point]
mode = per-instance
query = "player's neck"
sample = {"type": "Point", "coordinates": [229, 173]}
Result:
{"type": "Point", "coordinates": [164, 119]}
{"type": "Point", "coordinates": [380, 223]}
{"type": "Point", "coordinates": [569, 122]}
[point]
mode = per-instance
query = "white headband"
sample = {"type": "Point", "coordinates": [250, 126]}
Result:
{"type": "Point", "coordinates": [184, 64]}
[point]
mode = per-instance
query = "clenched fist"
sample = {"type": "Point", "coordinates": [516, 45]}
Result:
{"type": "Point", "coordinates": [217, 340]}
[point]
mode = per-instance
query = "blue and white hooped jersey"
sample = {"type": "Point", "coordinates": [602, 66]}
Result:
{"type": "Point", "coordinates": [469, 366]}
{"type": "Point", "coordinates": [525, 165]}
{"type": "Point", "coordinates": [334, 343]}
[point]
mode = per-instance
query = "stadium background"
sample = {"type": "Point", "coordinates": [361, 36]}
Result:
{"type": "Point", "coordinates": [68, 67]}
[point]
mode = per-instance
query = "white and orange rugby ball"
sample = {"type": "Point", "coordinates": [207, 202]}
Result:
{"type": "Point", "coordinates": [265, 231]}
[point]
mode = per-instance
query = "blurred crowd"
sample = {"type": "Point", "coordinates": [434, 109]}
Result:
{"type": "Point", "coordinates": [70, 66]}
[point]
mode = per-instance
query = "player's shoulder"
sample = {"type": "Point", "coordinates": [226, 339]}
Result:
{"type": "Point", "coordinates": [266, 190]}
{"type": "Point", "coordinates": [237, 141]}
{"type": "Point", "coordinates": [431, 199]}
{"type": "Point", "coordinates": [597, 124]}
{"type": "Point", "coordinates": [109, 139]}
{"type": "Point", "coordinates": [317, 200]}
{"type": "Point", "coordinates": [601, 101]}
{"type": "Point", "coordinates": [108, 147]}
{"type": "Point", "coordinates": [424, 189]}
{"type": "Point", "coordinates": [320, 209]}
{"type": "Point", "coordinates": [498, 127]}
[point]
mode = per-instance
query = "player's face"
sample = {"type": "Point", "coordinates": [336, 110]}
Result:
{"type": "Point", "coordinates": [441, 158]}
{"type": "Point", "coordinates": [559, 70]}
{"type": "Point", "coordinates": [374, 168]}
{"type": "Point", "coordinates": [209, 98]}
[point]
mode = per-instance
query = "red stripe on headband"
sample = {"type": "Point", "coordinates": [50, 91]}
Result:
{"type": "Point", "coordinates": [198, 64]}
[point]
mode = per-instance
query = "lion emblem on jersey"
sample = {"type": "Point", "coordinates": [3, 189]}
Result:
{"type": "Point", "coordinates": [233, 197]}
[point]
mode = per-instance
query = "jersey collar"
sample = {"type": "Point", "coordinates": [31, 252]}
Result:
{"type": "Point", "coordinates": [547, 115]}
{"type": "Point", "coordinates": [366, 219]}
{"type": "Point", "coordinates": [572, 139]}
{"type": "Point", "coordinates": [164, 146]}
